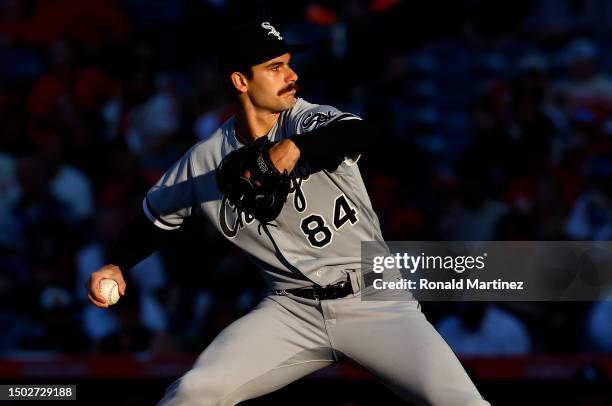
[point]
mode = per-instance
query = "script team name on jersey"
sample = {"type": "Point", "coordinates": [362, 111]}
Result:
{"type": "Point", "coordinates": [232, 220]}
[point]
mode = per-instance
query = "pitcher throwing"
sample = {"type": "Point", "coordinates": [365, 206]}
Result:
{"type": "Point", "coordinates": [280, 180]}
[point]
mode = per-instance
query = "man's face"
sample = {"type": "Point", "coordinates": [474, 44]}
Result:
{"type": "Point", "coordinates": [273, 85]}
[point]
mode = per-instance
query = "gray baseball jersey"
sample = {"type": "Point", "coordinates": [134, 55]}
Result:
{"type": "Point", "coordinates": [317, 235]}
{"type": "Point", "coordinates": [315, 239]}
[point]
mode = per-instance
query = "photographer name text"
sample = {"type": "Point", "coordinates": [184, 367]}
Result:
{"type": "Point", "coordinates": [453, 284]}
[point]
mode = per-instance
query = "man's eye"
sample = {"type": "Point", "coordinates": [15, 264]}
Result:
{"type": "Point", "coordinates": [275, 68]}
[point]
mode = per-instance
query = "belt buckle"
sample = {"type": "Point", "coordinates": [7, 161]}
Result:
{"type": "Point", "coordinates": [340, 288]}
{"type": "Point", "coordinates": [337, 291]}
{"type": "Point", "coordinates": [347, 288]}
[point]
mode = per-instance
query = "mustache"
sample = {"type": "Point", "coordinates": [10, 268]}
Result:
{"type": "Point", "coordinates": [288, 88]}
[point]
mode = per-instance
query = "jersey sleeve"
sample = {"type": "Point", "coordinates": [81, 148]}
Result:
{"type": "Point", "coordinates": [306, 117]}
{"type": "Point", "coordinates": [171, 199]}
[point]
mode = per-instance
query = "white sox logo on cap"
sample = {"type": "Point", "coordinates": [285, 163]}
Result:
{"type": "Point", "coordinates": [271, 30]}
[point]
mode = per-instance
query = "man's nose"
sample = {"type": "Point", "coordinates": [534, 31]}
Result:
{"type": "Point", "coordinates": [291, 76]}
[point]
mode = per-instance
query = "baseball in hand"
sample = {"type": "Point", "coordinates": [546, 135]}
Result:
{"type": "Point", "coordinates": [109, 289]}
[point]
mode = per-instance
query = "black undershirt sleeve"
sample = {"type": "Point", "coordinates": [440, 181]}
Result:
{"type": "Point", "coordinates": [335, 141]}
{"type": "Point", "coordinates": [138, 240]}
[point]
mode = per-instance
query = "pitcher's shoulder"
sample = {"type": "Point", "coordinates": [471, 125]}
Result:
{"type": "Point", "coordinates": [208, 153]}
{"type": "Point", "coordinates": [217, 137]}
{"type": "Point", "coordinates": [306, 116]}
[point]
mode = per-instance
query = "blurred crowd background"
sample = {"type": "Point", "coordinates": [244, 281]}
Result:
{"type": "Point", "coordinates": [494, 123]}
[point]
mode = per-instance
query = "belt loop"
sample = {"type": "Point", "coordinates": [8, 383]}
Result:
{"type": "Point", "coordinates": [355, 280]}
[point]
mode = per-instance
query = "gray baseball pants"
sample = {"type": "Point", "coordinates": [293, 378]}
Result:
{"type": "Point", "coordinates": [286, 337]}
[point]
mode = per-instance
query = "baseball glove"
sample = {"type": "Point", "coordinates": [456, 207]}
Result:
{"type": "Point", "coordinates": [261, 195]}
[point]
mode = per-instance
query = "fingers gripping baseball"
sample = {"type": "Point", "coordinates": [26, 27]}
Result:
{"type": "Point", "coordinates": [93, 284]}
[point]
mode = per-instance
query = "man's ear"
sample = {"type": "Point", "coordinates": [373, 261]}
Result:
{"type": "Point", "coordinates": [239, 81]}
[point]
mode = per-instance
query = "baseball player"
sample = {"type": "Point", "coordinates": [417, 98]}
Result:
{"type": "Point", "coordinates": [303, 232]}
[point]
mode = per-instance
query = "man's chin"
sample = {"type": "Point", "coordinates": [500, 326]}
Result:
{"type": "Point", "coordinates": [287, 103]}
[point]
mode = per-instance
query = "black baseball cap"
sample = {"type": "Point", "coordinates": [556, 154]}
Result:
{"type": "Point", "coordinates": [251, 44]}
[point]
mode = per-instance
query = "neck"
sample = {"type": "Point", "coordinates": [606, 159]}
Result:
{"type": "Point", "coordinates": [252, 123]}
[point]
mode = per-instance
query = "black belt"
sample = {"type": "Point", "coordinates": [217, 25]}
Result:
{"type": "Point", "coordinates": [335, 291]}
